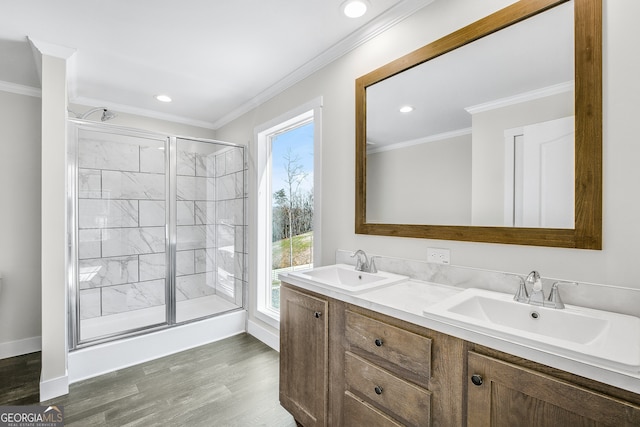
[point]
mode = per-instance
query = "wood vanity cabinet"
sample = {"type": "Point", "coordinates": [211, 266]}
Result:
{"type": "Point", "coordinates": [343, 365]}
{"type": "Point", "coordinates": [304, 356]}
{"type": "Point", "coordinates": [349, 366]}
{"type": "Point", "coordinates": [526, 394]}
{"type": "Point", "coordinates": [411, 375]}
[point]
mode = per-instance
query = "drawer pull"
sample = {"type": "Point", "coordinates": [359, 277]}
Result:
{"type": "Point", "coordinates": [476, 379]}
{"type": "Point", "coordinates": [378, 342]}
{"type": "Point", "coordinates": [378, 389]}
{"type": "Point", "coordinates": [317, 314]}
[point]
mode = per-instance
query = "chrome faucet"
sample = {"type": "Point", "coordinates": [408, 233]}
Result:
{"type": "Point", "coordinates": [537, 293]}
{"type": "Point", "coordinates": [366, 265]}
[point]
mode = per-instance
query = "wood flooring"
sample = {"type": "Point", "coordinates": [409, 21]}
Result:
{"type": "Point", "coordinates": [20, 380]}
{"type": "Point", "coordinates": [233, 382]}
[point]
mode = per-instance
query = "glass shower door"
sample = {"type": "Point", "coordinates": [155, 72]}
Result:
{"type": "Point", "coordinates": [210, 228]}
{"type": "Point", "coordinates": [121, 232]}
{"type": "Point", "coordinates": [159, 230]}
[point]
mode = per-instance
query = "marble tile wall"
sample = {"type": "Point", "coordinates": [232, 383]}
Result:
{"type": "Point", "coordinates": [196, 230]}
{"type": "Point", "coordinates": [121, 223]}
{"type": "Point", "coordinates": [210, 222]}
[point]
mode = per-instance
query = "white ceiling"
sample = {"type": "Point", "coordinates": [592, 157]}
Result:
{"type": "Point", "coordinates": [215, 58]}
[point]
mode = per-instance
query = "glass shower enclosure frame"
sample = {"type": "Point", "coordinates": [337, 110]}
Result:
{"type": "Point", "coordinates": [157, 229]}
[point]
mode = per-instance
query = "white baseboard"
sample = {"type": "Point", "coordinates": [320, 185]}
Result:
{"type": "Point", "coordinates": [20, 347]}
{"type": "Point", "coordinates": [264, 335]}
{"type": "Point", "coordinates": [103, 358]}
{"type": "Point", "coordinates": [54, 387]}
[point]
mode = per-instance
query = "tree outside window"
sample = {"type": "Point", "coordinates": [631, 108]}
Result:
{"type": "Point", "coordinates": [292, 204]}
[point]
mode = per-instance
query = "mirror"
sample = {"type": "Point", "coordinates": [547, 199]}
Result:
{"type": "Point", "coordinates": [504, 141]}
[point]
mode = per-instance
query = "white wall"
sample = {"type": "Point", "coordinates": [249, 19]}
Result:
{"type": "Point", "coordinates": [20, 119]}
{"type": "Point", "coordinates": [614, 265]}
{"type": "Point", "coordinates": [431, 181]}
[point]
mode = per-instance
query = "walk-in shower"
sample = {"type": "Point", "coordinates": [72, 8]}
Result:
{"type": "Point", "coordinates": [159, 228]}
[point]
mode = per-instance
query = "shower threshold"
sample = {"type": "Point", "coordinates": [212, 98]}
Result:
{"type": "Point", "coordinates": [121, 322]}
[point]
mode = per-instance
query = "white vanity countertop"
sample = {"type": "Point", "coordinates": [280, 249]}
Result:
{"type": "Point", "coordinates": [407, 301]}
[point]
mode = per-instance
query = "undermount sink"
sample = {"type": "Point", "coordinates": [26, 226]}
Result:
{"type": "Point", "coordinates": [346, 278]}
{"type": "Point", "coordinates": [596, 336]}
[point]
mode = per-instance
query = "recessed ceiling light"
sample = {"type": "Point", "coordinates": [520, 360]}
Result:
{"type": "Point", "coordinates": [163, 98]}
{"type": "Point", "coordinates": [354, 8]}
{"type": "Point", "coordinates": [406, 109]}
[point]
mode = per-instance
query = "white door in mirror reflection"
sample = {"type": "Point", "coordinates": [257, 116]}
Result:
{"type": "Point", "coordinates": [539, 175]}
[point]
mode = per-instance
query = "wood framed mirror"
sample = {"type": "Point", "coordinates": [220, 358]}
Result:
{"type": "Point", "coordinates": [582, 223]}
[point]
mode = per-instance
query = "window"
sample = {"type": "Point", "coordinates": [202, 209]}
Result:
{"type": "Point", "coordinates": [287, 202]}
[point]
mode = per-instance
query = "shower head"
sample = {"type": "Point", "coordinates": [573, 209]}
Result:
{"type": "Point", "coordinates": [106, 114]}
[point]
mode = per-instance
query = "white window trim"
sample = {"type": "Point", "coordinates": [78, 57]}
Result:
{"type": "Point", "coordinates": [262, 197]}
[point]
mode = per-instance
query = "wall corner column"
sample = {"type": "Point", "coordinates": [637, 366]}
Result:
{"type": "Point", "coordinates": [52, 65]}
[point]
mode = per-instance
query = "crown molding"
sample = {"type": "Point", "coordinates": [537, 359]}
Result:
{"type": "Point", "coordinates": [376, 26]}
{"type": "Point", "coordinates": [418, 141]}
{"type": "Point", "coordinates": [121, 108]}
{"type": "Point", "coordinates": [522, 97]}
{"type": "Point", "coordinates": [20, 89]}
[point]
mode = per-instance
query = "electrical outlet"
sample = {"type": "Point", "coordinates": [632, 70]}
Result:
{"type": "Point", "coordinates": [438, 255]}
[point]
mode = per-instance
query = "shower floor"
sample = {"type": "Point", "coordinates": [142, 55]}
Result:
{"type": "Point", "coordinates": [122, 322]}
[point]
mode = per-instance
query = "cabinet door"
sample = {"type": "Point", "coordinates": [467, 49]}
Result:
{"type": "Point", "coordinates": [502, 394]}
{"type": "Point", "coordinates": [303, 357]}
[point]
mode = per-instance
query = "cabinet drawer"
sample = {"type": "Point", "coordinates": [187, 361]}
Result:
{"type": "Point", "coordinates": [400, 398]}
{"type": "Point", "coordinates": [409, 351]}
{"type": "Point", "coordinates": [358, 412]}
